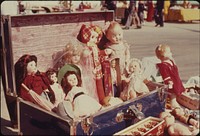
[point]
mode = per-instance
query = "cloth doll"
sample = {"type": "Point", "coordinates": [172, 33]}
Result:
{"type": "Point", "coordinates": [83, 105]}
{"type": "Point", "coordinates": [184, 117]}
{"type": "Point", "coordinates": [116, 46]}
{"type": "Point", "coordinates": [174, 129]}
{"type": "Point", "coordinates": [27, 74]}
{"type": "Point", "coordinates": [91, 58]}
{"type": "Point", "coordinates": [57, 89]}
{"type": "Point", "coordinates": [169, 73]}
{"type": "Point", "coordinates": [135, 80]}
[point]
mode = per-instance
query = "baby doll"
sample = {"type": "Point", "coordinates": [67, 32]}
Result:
{"type": "Point", "coordinates": [135, 81]}
{"type": "Point", "coordinates": [57, 89]}
{"type": "Point", "coordinates": [91, 60]}
{"type": "Point", "coordinates": [83, 104]}
{"type": "Point", "coordinates": [174, 129]}
{"type": "Point", "coordinates": [169, 73]}
{"type": "Point", "coordinates": [185, 118]}
{"type": "Point", "coordinates": [117, 47]}
{"type": "Point", "coordinates": [26, 73]}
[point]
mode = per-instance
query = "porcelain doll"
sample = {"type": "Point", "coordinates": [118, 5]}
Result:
{"type": "Point", "coordinates": [116, 46]}
{"type": "Point", "coordinates": [134, 80]}
{"type": "Point", "coordinates": [83, 105]}
{"type": "Point", "coordinates": [174, 129]}
{"type": "Point", "coordinates": [169, 73]}
{"type": "Point", "coordinates": [57, 89]}
{"type": "Point", "coordinates": [26, 73]}
{"type": "Point", "coordinates": [91, 58]}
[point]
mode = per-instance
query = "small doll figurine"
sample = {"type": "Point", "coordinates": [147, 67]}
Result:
{"type": "Point", "coordinates": [135, 80]}
{"type": "Point", "coordinates": [83, 105]}
{"type": "Point", "coordinates": [91, 60]}
{"type": "Point", "coordinates": [26, 72]}
{"type": "Point", "coordinates": [57, 89]}
{"type": "Point", "coordinates": [174, 129]}
{"type": "Point", "coordinates": [116, 46]}
{"type": "Point", "coordinates": [169, 73]}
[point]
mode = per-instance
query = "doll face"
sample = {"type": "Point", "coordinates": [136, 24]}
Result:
{"type": "Point", "coordinates": [94, 37]}
{"type": "Point", "coordinates": [115, 35]}
{"type": "Point", "coordinates": [168, 53]}
{"type": "Point", "coordinates": [72, 80]}
{"type": "Point", "coordinates": [31, 67]}
{"type": "Point", "coordinates": [54, 78]}
{"type": "Point", "coordinates": [134, 67]}
{"type": "Point", "coordinates": [75, 59]}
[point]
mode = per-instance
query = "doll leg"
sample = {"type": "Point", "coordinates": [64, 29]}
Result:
{"type": "Point", "coordinates": [132, 94]}
{"type": "Point", "coordinates": [173, 101]}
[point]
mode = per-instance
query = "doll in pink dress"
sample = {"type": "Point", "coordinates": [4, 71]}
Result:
{"type": "Point", "coordinates": [59, 94]}
{"type": "Point", "coordinates": [83, 105]}
{"type": "Point", "coordinates": [116, 46]}
{"type": "Point", "coordinates": [169, 73]}
{"type": "Point", "coordinates": [91, 58]}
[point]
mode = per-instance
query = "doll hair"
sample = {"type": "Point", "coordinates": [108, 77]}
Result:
{"type": "Point", "coordinates": [85, 33]}
{"type": "Point", "coordinates": [21, 68]}
{"type": "Point", "coordinates": [161, 51]}
{"type": "Point", "coordinates": [134, 60]}
{"type": "Point", "coordinates": [65, 84]}
{"type": "Point", "coordinates": [50, 72]}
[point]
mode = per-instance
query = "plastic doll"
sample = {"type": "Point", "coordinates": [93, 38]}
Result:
{"type": "Point", "coordinates": [169, 73]}
{"type": "Point", "coordinates": [27, 73]}
{"type": "Point", "coordinates": [83, 105]}
{"type": "Point", "coordinates": [174, 129]}
{"type": "Point", "coordinates": [91, 60]}
{"type": "Point", "coordinates": [57, 89]}
{"type": "Point", "coordinates": [117, 47]}
{"type": "Point", "coordinates": [135, 80]}
{"type": "Point", "coordinates": [184, 117]}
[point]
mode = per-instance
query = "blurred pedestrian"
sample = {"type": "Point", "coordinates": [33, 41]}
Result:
{"type": "Point", "coordinates": [132, 16]}
{"type": "Point", "coordinates": [159, 13]}
{"type": "Point", "coordinates": [141, 9]}
{"type": "Point", "coordinates": [150, 11]}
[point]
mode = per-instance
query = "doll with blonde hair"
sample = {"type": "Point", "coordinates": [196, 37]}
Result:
{"type": "Point", "coordinates": [169, 73]}
{"type": "Point", "coordinates": [116, 46]}
{"type": "Point", "coordinates": [134, 80]}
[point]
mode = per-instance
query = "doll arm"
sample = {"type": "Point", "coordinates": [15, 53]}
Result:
{"type": "Point", "coordinates": [108, 51]}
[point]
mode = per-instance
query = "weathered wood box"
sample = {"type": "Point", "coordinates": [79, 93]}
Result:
{"type": "Point", "coordinates": [42, 35]}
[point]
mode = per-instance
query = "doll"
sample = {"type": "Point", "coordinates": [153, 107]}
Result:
{"type": "Point", "coordinates": [169, 73]}
{"type": "Point", "coordinates": [26, 73]}
{"type": "Point", "coordinates": [116, 47]}
{"type": "Point", "coordinates": [184, 117]}
{"type": "Point", "coordinates": [135, 80]}
{"type": "Point", "coordinates": [173, 128]}
{"type": "Point", "coordinates": [91, 58]}
{"type": "Point", "coordinates": [57, 89]}
{"type": "Point", "coordinates": [83, 105]}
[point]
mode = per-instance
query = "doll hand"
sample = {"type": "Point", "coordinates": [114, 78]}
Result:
{"type": "Point", "coordinates": [170, 84]}
{"type": "Point", "coordinates": [108, 51]}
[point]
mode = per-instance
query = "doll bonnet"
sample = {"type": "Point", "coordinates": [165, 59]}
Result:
{"type": "Point", "coordinates": [85, 33]}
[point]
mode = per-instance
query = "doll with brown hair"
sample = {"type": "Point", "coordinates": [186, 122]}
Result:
{"type": "Point", "coordinates": [83, 105]}
{"type": "Point", "coordinates": [116, 46]}
{"type": "Point", "coordinates": [57, 89]}
{"type": "Point", "coordinates": [91, 58]}
{"type": "Point", "coordinates": [172, 128]}
{"type": "Point", "coordinates": [26, 72]}
{"type": "Point", "coordinates": [134, 80]}
{"type": "Point", "coordinates": [169, 73]}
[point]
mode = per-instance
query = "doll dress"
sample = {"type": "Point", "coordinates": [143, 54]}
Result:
{"type": "Point", "coordinates": [170, 72]}
{"type": "Point", "coordinates": [58, 92]}
{"type": "Point", "coordinates": [83, 104]}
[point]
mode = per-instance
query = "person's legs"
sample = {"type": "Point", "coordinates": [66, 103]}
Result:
{"type": "Point", "coordinates": [129, 21]}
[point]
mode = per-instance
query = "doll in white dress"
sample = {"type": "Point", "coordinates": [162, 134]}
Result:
{"type": "Point", "coordinates": [83, 105]}
{"type": "Point", "coordinates": [135, 80]}
{"type": "Point", "coordinates": [59, 94]}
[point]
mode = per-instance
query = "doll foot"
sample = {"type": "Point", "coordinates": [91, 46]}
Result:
{"type": "Point", "coordinates": [174, 105]}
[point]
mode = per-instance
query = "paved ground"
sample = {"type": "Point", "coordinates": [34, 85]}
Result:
{"type": "Point", "coordinates": [182, 37]}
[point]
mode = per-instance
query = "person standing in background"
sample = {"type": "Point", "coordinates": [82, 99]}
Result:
{"type": "Point", "coordinates": [132, 13]}
{"type": "Point", "coordinates": [141, 9]}
{"type": "Point", "coordinates": [159, 13]}
{"type": "Point", "coordinates": [166, 9]}
{"type": "Point", "coordinates": [150, 11]}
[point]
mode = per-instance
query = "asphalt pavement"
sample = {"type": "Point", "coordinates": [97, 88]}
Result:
{"type": "Point", "coordinates": [182, 37]}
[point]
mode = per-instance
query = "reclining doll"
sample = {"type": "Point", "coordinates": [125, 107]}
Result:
{"type": "Point", "coordinates": [169, 73]}
{"type": "Point", "coordinates": [32, 84]}
{"type": "Point", "coordinates": [134, 80]}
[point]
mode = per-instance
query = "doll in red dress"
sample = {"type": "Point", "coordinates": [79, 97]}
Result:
{"type": "Point", "coordinates": [26, 72]}
{"type": "Point", "coordinates": [169, 73]}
